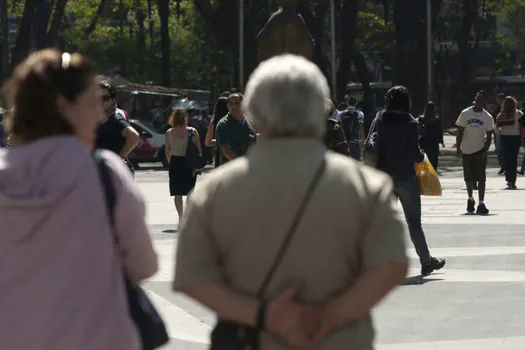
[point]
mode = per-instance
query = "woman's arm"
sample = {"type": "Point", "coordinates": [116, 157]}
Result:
{"type": "Point", "coordinates": [167, 146]}
{"type": "Point", "coordinates": [209, 140]}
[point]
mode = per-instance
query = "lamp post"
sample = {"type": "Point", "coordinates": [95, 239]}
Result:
{"type": "Point", "coordinates": [429, 50]}
{"type": "Point", "coordinates": [334, 68]}
{"type": "Point", "coordinates": [241, 45]}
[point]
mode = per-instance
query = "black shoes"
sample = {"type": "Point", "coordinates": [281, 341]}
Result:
{"type": "Point", "coordinates": [511, 186]}
{"type": "Point", "coordinates": [434, 265]}
{"type": "Point", "coordinates": [482, 209]}
{"type": "Point", "coordinates": [471, 207]}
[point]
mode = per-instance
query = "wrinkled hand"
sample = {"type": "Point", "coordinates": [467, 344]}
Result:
{"type": "Point", "coordinates": [458, 153]}
{"type": "Point", "coordinates": [291, 321]}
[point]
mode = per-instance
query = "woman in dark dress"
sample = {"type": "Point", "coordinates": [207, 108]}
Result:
{"type": "Point", "coordinates": [220, 110]}
{"type": "Point", "coordinates": [182, 179]}
{"type": "Point", "coordinates": [431, 133]}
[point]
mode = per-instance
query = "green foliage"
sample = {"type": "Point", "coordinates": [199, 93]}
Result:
{"type": "Point", "coordinates": [110, 48]}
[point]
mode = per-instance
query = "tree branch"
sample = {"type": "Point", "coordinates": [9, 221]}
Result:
{"type": "Point", "coordinates": [94, 20]}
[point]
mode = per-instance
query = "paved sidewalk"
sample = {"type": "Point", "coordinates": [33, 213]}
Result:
{"type": "Point", "coordinates": [477, 302]}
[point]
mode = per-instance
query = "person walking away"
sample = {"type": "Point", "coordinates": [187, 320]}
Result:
{"type": "Point", "coordinates": [522, 169]}
{"type": "Point", "coordinates": [63, 262]}
{"type": "Point", "coordinates": [234, 134]}
{"type": "Point", "coordinates": [497, 140]}
{"type": "Point", "coordinates": [508, 127]}
{"type": "Point", "coordinates": [398, 150]}
{"type": "Point", "coordinates": [228, 240]}
{"type": "Point", "coordinates": [182, 179]}
{"type": "Point", "coordinates": [115, 133]}
{"type": "Point", "coordinates": [475, 127]}
{"type": "Point", "coordinates": [220, 111]}
{"type": "Point", "coordinates": [353, 124]}
{"type": "Point", "coordinates": [334, 137]}
{"type": "Point", "coordinates": [431, 131]}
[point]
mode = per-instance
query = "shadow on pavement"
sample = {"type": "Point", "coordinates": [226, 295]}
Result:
{"type": "Point", "coordinates": [419, 280]}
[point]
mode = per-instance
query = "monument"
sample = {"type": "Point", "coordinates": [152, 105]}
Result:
{"type": "Point", "coordinates": [285, 32]}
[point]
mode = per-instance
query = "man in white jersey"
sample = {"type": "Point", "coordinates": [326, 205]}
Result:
{"type": "Point", "coordinates": [475, 126]}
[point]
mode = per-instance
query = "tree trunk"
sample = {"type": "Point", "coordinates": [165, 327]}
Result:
{"type": "Point", "coordinates": [164, 14]}
{"type": "Point", "coordinates": [56, 23]}
{"type": "Point", "coordinates": [94, 20]}
{"type": "Point", "coordinates": [150, 23]}
{"type": "Point", "coordinates": [464, 36]}
{"type": "Point", "coordinates": [4, 67]}
{"type": "Point", "coordinates": [410, 63]}
{"type": "Point", "coordinates": [348, 36]}
{"type": "Point", "coordinates": [23, 39]}
{"type": "Point", "coordinates": [141, 35]}
{"type": "Point", "coordinates": [43, 13]}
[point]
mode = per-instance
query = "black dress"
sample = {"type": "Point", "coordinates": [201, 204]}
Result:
{"type": "Point", "coordinates": [431, 137]}
{"type": "Point", "coordinates": [182, 179]}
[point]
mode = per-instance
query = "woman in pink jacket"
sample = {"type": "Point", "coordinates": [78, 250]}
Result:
{"type": "Point", "coordinates": [61, 283]}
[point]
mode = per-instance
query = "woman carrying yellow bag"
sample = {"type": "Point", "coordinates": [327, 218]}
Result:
{"type": "Point", "coordinates": [427, 178]}
{"type": "Point", "coordinates": [397, 149]}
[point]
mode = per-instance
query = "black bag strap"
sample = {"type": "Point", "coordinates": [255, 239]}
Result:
{"type": "Point", "coordinates": [292, 230]}
{"type": "Point", "coordinates": [107, 186]}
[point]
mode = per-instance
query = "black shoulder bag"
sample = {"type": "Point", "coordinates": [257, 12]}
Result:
{"type": "Point", "coordinates": [149, 324]}
{"type": "Point", "coordinates": [232, 336]}
{"type": "Point", "coordinates": [194, 161]}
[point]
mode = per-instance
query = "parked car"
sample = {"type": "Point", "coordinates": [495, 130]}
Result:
{"type": "Point", "coordinates": [151, 146]}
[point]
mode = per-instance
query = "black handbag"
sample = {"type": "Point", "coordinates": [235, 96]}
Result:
{"type": "Point", "coordinates": [233, 336]}
{"type": "Point", "coordinates": [194, 160]}
{"type": "Point", "coordinates": [149, 324]}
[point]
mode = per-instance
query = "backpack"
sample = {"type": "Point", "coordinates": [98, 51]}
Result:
{"type": "Point", "coordinates": [334, 138]}
{"type": "Point", "coordinates": [350, 125]}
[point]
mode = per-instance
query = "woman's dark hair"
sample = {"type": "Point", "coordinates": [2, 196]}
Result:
{"type": "Point", "coordinates": [179, 117]}
{"type": "Point", "coordinates": [398, 99]}
{"type": "Point", "coordinates": [34, 88]}
{"type": "Point", "coordinates": [221, 108]}
{"type": "Point", "coordinates": [430, 110]}
{"type": "Point", "coordinates": [509, 106]}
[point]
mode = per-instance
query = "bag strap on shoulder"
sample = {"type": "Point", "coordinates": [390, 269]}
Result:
{"type": "Point", "coordinates": [292, 230]}
{"type": "Point", "coordinates": [107, 185]}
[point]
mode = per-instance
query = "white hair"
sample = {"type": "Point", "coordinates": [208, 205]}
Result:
{"type": "Point", "coordinates": [286, 96]}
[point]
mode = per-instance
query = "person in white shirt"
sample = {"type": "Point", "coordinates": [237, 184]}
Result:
{"type": "Point", "coordinates": [475, 126]}
{"type": "Point", "coordinates": [508, 129]}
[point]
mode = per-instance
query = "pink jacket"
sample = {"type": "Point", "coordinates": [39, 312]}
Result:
{"type": "Point", "coordinates": [60, 278]}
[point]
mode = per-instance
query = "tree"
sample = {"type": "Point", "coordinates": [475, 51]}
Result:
{"type": "Point", "coordinates": [164, 14]}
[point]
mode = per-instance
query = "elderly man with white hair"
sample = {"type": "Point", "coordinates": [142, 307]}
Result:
{"type": "Point", "coordinates": [292, 245]}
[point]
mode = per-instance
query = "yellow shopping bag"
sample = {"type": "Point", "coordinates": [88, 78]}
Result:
{"type": "Point", "coordinates": [428, 179]}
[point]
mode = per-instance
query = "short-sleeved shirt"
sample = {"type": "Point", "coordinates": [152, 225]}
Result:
{"type": "Point", "coordinates": [228, 237]}
{"type": "Point", "coordinates": [109, 135]}
{"type": "Point", "coordinates": [476, 125]}
{"type": "Point", "coordinates": [238, 134]}
{"type": "Point", "coordinates": [511, 129]}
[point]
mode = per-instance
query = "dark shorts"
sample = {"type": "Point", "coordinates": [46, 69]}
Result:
{"type": "Point", "coordinates": [474, 167]}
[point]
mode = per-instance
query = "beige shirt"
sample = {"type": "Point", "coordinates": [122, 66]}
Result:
{"type": "Point", "coordinates": [238, 216]}
{"type": "Point", "coordinates": [510, 130]}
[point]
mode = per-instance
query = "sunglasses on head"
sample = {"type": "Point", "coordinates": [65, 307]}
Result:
{"type": "Point", "coordinates": [105, 98]}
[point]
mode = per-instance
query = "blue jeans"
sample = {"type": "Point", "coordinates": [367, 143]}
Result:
{"type": "Point", "coordinates": [407, 190]}
{"type": "Point", "coordinates": [499, 151]}
{"type": "Point", "coordinates": [355, 151]}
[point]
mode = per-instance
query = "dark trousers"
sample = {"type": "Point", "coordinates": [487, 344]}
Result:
{"type": "Point", "coordinates": [432, 152]}
{"type": "Point", "coordinates": [510, 147]}
{"type": "Point", "coordinates": [407, 190]}
{"type": "Point", "coordinates": [355, 151]}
